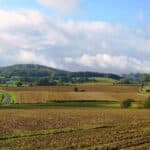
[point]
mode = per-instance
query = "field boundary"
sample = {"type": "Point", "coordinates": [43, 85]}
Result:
{"type": "Point", "coordinates": [74, 104]}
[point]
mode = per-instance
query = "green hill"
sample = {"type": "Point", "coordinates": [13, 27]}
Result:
{"type": "Point", "coordinates": [29, 70]}
{"type": "Point", "coordinates": [31, 73]}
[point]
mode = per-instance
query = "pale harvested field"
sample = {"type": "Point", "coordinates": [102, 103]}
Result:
{"type": "Point", "coordinates": [41, 96]}
{"type": "Point", "coordinates": [87, 88]}
{"type": "Point", "coordinates": [91, 92]}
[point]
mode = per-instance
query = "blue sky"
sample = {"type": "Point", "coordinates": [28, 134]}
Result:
{"type": "Point", "coordinates": [99, 35]}
{"type": "Point", "coordinates": [121, 11]}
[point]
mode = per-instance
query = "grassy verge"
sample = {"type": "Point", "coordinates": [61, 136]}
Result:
{"type": "Point", "coordinates": [67, 103]}
{"type": "Point", "coordinates": [49, 104]}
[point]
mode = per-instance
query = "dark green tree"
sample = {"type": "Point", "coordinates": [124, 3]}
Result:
{"type": "Point", "coordinates": [19, 84]}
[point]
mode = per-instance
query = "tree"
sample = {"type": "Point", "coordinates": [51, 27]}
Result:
{"type": "Point", "coordinates": [2, 97]}
{"type": "Point", "coordinates": [147, 103]}
{"type": "Point", "coordinates": [43, 82]}
{"type": "Point", "coordinates": [31, 85]}
{"type": "Point", "coordinates": [76, 89]}
{"type": "Point", "coordinates": [142, 86]}
{"type": "Point", "coordinates": [19, 84]}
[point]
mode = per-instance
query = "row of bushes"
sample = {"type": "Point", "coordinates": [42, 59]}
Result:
{"type": "Point", "coordinates": [128, 102]}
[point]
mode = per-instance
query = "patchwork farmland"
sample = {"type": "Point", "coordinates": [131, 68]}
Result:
{"type": "Point", "coordinates": [76, 116]}
{"type": "Point", "coordinates": [84, 92]}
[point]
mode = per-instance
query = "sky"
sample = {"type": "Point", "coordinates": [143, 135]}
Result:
{"type": "Point", "coordinates": [77, 35]}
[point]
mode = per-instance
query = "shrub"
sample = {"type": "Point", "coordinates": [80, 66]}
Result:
{"type": "Point", "coordinates": [147, 103]}
{"type": "Point", "coordinates": [19, 84]}
{"type": "Point", "coordinates": [148, 90]}
{"type": "Point", "coordinates": [126, 103]}
{"type": "Point", "coordinates": [2, 98]}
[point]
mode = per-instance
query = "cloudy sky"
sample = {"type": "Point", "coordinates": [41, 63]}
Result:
{"type": "Point", "coordinates": [76, 35]}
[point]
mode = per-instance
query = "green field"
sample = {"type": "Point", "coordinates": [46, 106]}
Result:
{"type": "Point", "coordinates": [104, 80]}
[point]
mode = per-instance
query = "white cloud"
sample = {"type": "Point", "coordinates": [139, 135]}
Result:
{"type": "Point", "coordinates": [87, 60]}
{"type": "Point", "coordinates": [31, 57]}
{"type": "Point", "coordinates": [61, 5]}
{"type": "Point", "coordinates": [27, 36]}
{"type": "Point", "coordinates": [19, 18]}
{"type": "Point", "coordinates": [105, 62]}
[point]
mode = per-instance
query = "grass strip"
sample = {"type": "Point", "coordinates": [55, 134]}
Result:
{"type": "Point", "coordinates": [52, 132]}
{"type": "Point", "coordinates": [146, 130]}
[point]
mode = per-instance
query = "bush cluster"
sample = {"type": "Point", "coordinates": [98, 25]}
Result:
{"type": "Point", "coordinates": [147, 103]}
{"type": "Point", "coordinates": [126, 103]}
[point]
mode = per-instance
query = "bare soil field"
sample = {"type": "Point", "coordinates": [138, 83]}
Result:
{"type": "Point", "coordinates": [74, 128]}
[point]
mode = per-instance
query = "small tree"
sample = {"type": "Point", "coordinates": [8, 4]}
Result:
{"type": "Point", "coordinates": [142, 86]}
{"type": "Point", "coordinates": [76, 89]}
{"type": "Point", "coordinates": [2, 97]}
{"type": "Point", "coordinates": [147, 103]}
{"type": "Point", "coordinates": [126, 103]}
{"type": "Point", "coordinates": [19, 84]}
{"type": "Point", "coordinates": [31, 85]}
{"type": "Point", "coordinates": [43, 82]}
